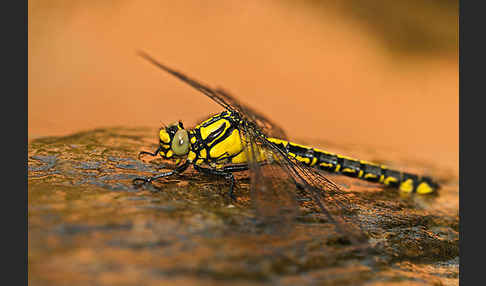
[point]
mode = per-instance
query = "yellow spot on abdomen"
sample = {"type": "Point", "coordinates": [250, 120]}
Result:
{"type": "Point", "coordinates": [324, 164]}
{"type": "Point", "coordinates": [278, 141]}
{"type": "Point", "coordinates": [370, 176]}
{"type": "Point", "coordinates": [424, 188]}
{"type": "Point", "coordinates": [301, 159]}
{"type": "Point", "coordinates": [406, 186]}
{"type": "Point", "coordinates": [348, 170]}
{"type": "Point", "coordinates": [390, 180]}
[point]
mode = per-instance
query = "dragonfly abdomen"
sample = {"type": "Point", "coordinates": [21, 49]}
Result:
{"type": "Point", "coordinates": [351, 167]}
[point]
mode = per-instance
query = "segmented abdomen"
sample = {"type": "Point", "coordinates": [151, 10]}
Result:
{"type": "Point", "coordinates": [368, 171]}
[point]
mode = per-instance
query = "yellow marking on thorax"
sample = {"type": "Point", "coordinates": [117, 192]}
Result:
{"type": "Point", "coordinates": [239, 159]}
{"type": "Point", "coordinates": [203, 153]}
{"type": "Point", "coordinates": [216, 166]}
{"type": "Point", "coordinates": [207, 130]}
{"type": "Point", "coordinates": [191, 156]}
{"type": "Point", "coordinates": [207, 120]}
{"type": "Point", "coordinates": [230, 146]}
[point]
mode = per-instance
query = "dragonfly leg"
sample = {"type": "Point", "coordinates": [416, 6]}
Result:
{"type": "Point", "coordinates": [226, 172]}
{"type": "Point", "coordinates": [148, 153]}
{"type": "Point", "coordinates": [179, 169]}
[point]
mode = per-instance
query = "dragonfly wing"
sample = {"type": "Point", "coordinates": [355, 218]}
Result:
{"type": "Point", "coordinates": [266, 125]}
{"type": "Point", "coordinates": [224, 99]}
{"type": "Point", "coordinates": [310, 187]}
{"type": "Point", "coordinates": [272, 198]}
{"type": "Point", "coordinates": [275, 197]}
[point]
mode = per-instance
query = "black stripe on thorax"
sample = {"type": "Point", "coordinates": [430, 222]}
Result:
{"type": "Point", "coordinates": [199, 144]}
{"type": "Point", "coordinates": [215, 118]}
{"type": "Point", "coordinates": [211, 137]}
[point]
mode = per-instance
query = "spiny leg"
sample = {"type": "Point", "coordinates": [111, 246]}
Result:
{"type": "Point", "coordinates": [155, 153]}
{"type": "Point", "coordinates": [178, 170]}
{"type": "Point", "coordinates": [225, 172]}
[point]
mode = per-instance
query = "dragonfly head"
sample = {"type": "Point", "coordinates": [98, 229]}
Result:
{"type": "Point", "coordinates": [174, 141]}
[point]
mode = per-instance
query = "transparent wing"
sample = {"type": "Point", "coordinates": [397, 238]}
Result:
{"type": "Point", "coordinates": [271, 196]}
{"type": "Point", "coordinates": [277, 187]}
{"type": "Point", "coordinates": [266, 125]}
{"type": "Point", "coordinates": [227, 101]}
{"type": "Point", "coordinates": [292, 181]}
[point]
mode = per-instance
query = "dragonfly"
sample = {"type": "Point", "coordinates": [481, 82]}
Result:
{"type": "Point", "coordinates": [281, 172]}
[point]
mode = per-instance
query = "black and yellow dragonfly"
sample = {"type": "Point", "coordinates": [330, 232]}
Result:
{"type": "Point", "coordinates": [241, 139]}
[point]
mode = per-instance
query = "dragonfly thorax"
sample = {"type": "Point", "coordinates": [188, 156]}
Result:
{"type": "Point", "coordinates": [219, 140]}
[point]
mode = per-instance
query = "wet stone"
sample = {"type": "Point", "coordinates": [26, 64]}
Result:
{"type": "Point", "coordinates": [48, 162]}
{"type": "Point", "coordinates": [87, 221]}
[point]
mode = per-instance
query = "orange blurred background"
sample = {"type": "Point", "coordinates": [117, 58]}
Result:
{"type": "Point", "coordinates": [379, 73]}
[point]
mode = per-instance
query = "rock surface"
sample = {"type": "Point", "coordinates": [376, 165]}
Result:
{"type": "Point", "coordinates": [88, 225]}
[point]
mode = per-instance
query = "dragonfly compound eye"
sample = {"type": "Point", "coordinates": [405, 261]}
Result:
{"type": "Point", "coordinates": [180, 143]}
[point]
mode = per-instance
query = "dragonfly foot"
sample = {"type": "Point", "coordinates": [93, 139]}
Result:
{"type": "Point", "coordinates": [141, 181]}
